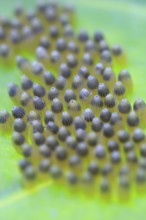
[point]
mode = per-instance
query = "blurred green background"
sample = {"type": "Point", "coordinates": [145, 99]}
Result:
{"type": "Point", "coordinates": [124, 22]}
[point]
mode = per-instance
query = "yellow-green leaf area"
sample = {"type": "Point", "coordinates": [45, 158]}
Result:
{"type": "Point", "coordinates": [123, 22]}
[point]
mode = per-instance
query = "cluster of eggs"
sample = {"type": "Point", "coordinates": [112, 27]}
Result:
{"type": "Point", "coordinates": [71, 120]}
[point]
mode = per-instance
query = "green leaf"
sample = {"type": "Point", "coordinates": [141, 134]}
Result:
{"type": "Point", "coordinates": [123, 22]}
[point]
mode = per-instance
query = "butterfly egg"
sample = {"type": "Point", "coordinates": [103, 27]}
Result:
{"type": "Point", "coordinates": [115, 157]}
{"type": "Point", "coordinates": [55, 172]}
{"type": "Point", "coordinates": [53, 93]}
{"type": "Point", "coordinates": [61, 155]}
{"type": "Point", "coordinates": [56, 106]}
{"type": "Point", "coordinates": [88, 115]}
{"type": "Point", "coordinates": [48, 78]}
{"type": "Point", "coordinates": [61, 83]}
{"type": "Point", "coordinates": [98, 36]}
{"type": "Point", "coordinates": [24, 65]}
{"type": "Point", "coordinates": [128, 146]}
{"type": "Point", "coordinates": [92, 83]}
{"type": "Point", "coordinates": [45, 151]}
{"type": "Point", "coordinates": [37, 27]}
{"type": "Point", "coordinates": [23, 163]}
{"type": "Point", "coordinates": [15, 38]}
{"type": "Point", "coordinates": [49, 116]}
{"type": "Point", "coordinates": [45, 43]}
{"type": "Point", "coordinates": [72, 47]}
{"type": "Point", "coordinates": [96, 104]}
{"type": "Point", "coordinates": [19, 125]}
{"type": "Point", "coordinates": [125, 77]}
{"type": "Point", "coordinates": [27, 35]}
{"type": "Point", "coordinates": [63, 133]}
{"type": "Point", "coordinates": [87, 59]}
{"type": "Point", "coordinates": [103, 46]}
{"type": "Point", "coordinates": [71, 60]}
{"type": "Point", "coordinates": [87, 183]}
{"type": "Point", "coordinates": [131, 158]}
{"type": "Point", "coordinates": [96, 124]}
{"type": "Point", "coordinates": [2, 34]}
{"type": "Point", "coordinates": [52, 127]}
{"type": "Point", "coordinates": [93, 168]}
{"type": "Point", "coordinates": [18, 112]}
{"type": "Point", "coordinates": [72, 180]}
{"type": "Point", "coordinates": [39, 105]}
{"type": "Point", "coordinates": [50, 14]}
{"type": "Point", "coordinates": [14, 92]}
{"type": "Point", "coordinates": [33, 115]}
{"type": "Point", "coordinates": [68, 32]}
{"type": "Point", "coordinates": [124, 108]}
{"type": "Point", "coordinates": [30, 173]}
{"type": "Point", "coordinates": [27, 150]}
{"type": "Point", "coordinates": [18, 139]}
{"type": "Point", "coordinates": [92, 138]}
{"type": "Point", "coordinates": [102, 90]}
{"type": "Point", "coordinates": [79, 123]}
{"type": "Point", "coordinates": [61, 45]}
{"type": "Point", "coordinates": [90, 47]}
{"type": "Point", "coordinates": [142, 163]}
{"type": "Point", "coordinates": [64, 19]}
{"type": "Point", "coordinates": [110, 101]}
{"type": "Point", "coordinates": [112, 145]}
{"type": "Point", "coordinates": [26, 101]}
{"type": "Point", "coordinates": [105, 189]}
{"type": "Point", "coordinates": [116, 120]}
{"type": "Point", "coordinates": [98, 72]}
{"type": "Point", "coordinates": [99, 153]}
{"type": "Point", "coordinates": [16, 24]}
{"type": "Point", "coordinates": [37, 70]}
{"type": "Point", "coordinates": [30, 14]}
{"type": "Point", "coordinates": [5, 54]}
{"type": "Point", "coordinates": [82, 36]}
{"type": "Point", "coordinates": [69, 95]}
{"type": "Point", "coordinates": [55, 59]}
{"type": "Point", "coordinates": [140, 180]}
{"type": "Point", "coordinates": [26, 83]}
{"type": "Point", "coordinates": [74, 162]}
{"type": "Point", "coordinates": [139, 107]}
{"type": "Point", "coordinates": [77, 83]}
{"type": "Point", "coordinates": [80, 134]}
{"type": "Point", "coordinates": [5, 121]}
{"type": "Point", "coordinates": [123, 136]}
{"type": "Point", "coordinates": [66, 119]}
{"type": "Point", "coordinates": [119, 90]}
{"type": "Point", "coordinates": [71, 143]}
{"type": "Point", "coordinates": [53, 32]}
{"type": "Point", "coordinates": [109, 77]}
{"type": "Point", "coordinates": [132, 120]}
{"type": "Point", "coordinates": [41, 6]}
{"type": "Point", "coordinates": [51, 142]}
{"type": "Point", "coordinates": [138, 135]}
{"type": "Point", "coordinates": [42, 55]}
{"type": "Point", "coordinates": [37, 126]}
{"type": "Point", "coordinates": [74, 108]}
{"type": "Point", "coordinates": [38, 90]}
{"type": "Point", "coordinates": [38, 138]}
{"type": "Point", "coordinates": [65, 70]}
{"type": "Point", "coordinates": [108, 130]}
{"type": "Point", "coordinates": [82, 150]}
{"type": "Point", "coordinates": [85, 97]}
{"type": "Point", "coordinates": [105, 115]}
{"type": "Point", "coordinates": [117, 50]}
{"type": "Point", "coordinates": [84, 72]}
{"type": "Point", "coordinates": [106, 57]}
{"type": "Point", "coordinates": [44, 166]}
{"type": "Point", "coordinates": [143, 150]}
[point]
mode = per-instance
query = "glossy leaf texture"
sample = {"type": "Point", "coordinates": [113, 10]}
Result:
{"type": "Point", "coordinates": [122, 22]}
